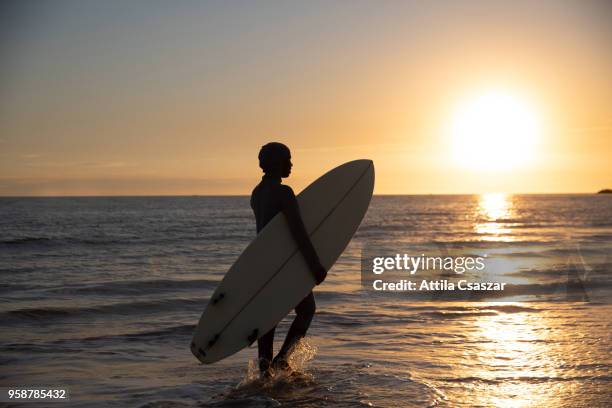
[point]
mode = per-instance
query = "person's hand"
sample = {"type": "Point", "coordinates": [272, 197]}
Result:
{"type": "Point", "coordinates": [319, 273]}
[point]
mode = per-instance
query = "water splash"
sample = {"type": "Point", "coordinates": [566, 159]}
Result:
{"type": "Point", "coordinates": [301, 354]}
{"type": "Point", "coordinates": [252, 374]}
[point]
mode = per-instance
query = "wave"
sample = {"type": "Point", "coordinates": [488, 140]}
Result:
{"type": "Point", "coordinates": [527, 379]}
{"type": "Point", "coordinates": [13, 269]}
{"type": "Point", "coordinates": [513, 308]}
{"type": "Point", "coordinates": [358, 318]}
{"type": "Point", "coordinates": [415, 314]}
{"type": "Point", "coordinates": [136, 287]}
{"type": "Point", "coordinates": [54, 242]}
{"type": "Point", "coordinates": [468, 308]}
{"type": "Point", "coordinates": [30, 348]}
{"type": "Point", "coordinates": [25, 241]}
{"type": "Point", "coordinates": [9, 288]}
{"type": "Point", "coordinates": [130, 308]}
{"type": "Point", "coordinates": [456, 315]}
{"type": "Point", "coordinates": [172, 331]}
{"type": "Point", "coordinates": [77, 344]}
{"type": "Point", "coordinates": [60, 241]}
{"type": "Point", "coordinates": [488, 310]}
{"type": "Point", "coordinates": [384, 226]}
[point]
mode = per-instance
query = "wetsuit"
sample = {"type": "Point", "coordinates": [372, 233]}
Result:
{"type": "Point", "coordinates": [268, 199]}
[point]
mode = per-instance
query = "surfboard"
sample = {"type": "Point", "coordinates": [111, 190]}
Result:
{"type": "Point", "coordinates": [271, 276]}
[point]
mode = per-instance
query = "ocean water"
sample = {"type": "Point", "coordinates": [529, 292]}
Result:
{"type": "Point", "coordinates": [100, 295]}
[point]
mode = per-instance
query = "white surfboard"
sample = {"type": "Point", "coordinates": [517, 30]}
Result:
{"type": "Point", "coordinates": [271, 276]}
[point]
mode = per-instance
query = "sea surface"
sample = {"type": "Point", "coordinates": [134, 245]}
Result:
{"type": "Point", "coordinates": [100, 295]}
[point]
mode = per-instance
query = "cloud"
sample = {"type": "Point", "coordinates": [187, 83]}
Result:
{"type": "Point", "coordinates": [31, 156]}
{"type": "Point", "coordinates": [102, 186]}
{"type": "Point", "coordinates": [394, 147]}
{"type": "Point", "coordinates": [109, 164]}
{"type": "Point", "coordinates": [95, 165]}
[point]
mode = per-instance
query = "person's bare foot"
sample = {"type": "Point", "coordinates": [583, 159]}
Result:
{"type": "Point", "coordinates": [266, 375]}
{"type": "Point", "coordinates": [280, 364]}
{"type": "Point", "coordinates": [265, 371]}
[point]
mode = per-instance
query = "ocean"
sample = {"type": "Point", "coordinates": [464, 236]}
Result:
{"type": "Point", "coordinates": [100, 295]}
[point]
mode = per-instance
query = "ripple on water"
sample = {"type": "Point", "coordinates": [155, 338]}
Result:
{"type": "Point", "coordinates": [339, 385]}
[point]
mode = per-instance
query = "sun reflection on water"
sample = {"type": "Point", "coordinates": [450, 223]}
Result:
{"type": "Point", "coordinates": [514, 356]}
{"type": "Point", "coordinates": [492, 214]}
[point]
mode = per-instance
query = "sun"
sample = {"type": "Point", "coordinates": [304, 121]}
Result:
{"type": "Point", "coordinates": [494, 131]}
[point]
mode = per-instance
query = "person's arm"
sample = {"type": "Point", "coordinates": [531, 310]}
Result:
{"type": "Point", "coordinates": [296, 225]}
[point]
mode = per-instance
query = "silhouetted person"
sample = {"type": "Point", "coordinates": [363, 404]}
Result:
{"type": "Point", "coordinates": [268, 199]}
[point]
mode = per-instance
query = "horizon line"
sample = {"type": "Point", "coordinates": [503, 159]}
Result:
{"type": "Point", "coordinates": [247, 195]}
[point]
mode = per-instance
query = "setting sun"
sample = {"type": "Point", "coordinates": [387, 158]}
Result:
{"type": "Point", "coordinates": [494, 131]}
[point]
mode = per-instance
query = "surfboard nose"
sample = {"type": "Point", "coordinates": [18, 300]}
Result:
{"type": "Point", "coordinates": [358, 166]}
{"type": "Point", "coordinates": [363, 162]}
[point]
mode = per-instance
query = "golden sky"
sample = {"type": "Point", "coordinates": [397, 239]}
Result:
{"type": "Point", "coordinates": [133, 98]}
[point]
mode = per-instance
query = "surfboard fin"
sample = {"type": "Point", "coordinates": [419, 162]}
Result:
{"type": "Point", "coordinates": [197, 350]}
{"type": "Point", "coordinates": [218, 298]}
{"type": "Point", "coordinates": [213, 340]}
{"type": "Point", "coordinates": [253, 336]}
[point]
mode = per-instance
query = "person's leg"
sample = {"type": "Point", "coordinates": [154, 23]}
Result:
{"type": "Point", "coordinates": [264, 345]}
{"type": "Point", "coordinates": [304, 312]}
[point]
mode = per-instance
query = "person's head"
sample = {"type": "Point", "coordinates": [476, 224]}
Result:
{"type": "Point", "coordinates": [275, 159]}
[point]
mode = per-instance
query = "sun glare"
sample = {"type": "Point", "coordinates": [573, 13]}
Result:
{"type": "Point", "coordinates": [494, 131]}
